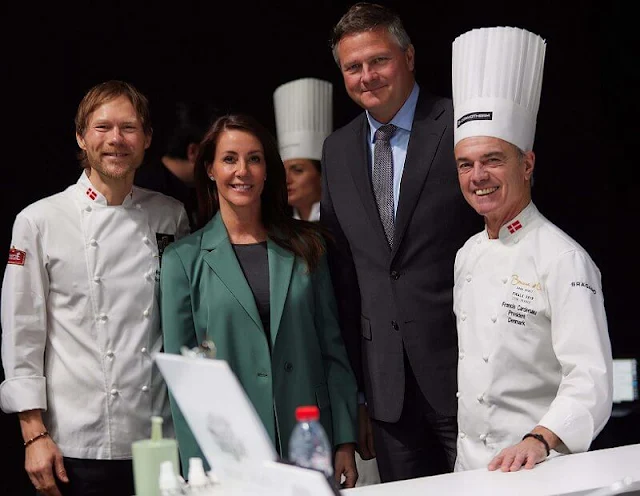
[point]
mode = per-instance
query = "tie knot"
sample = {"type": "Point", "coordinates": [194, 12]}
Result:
{"type": "Point", "coordinates": [385, 132]}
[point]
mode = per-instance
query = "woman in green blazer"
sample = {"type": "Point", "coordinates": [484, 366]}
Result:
{"type": "Point", "coordinates": [256, 282]}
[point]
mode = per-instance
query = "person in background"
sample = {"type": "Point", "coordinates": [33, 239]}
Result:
{"type": "Point", "coordinates": [391, 200]}
{"type": "Point", "coordinates": [80, 319]}
{"type": "Point", "coordinates": [535, 359]}
{"type": "Point", "coordinates": [256, 282]}
{"type": "Point", "coordinates": [304, 118]}
{"type": "Point", "coordinates": [172, 174]}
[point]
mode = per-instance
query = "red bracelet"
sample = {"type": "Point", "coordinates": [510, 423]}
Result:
{"type": "Point", "coordinates": [35, 438]}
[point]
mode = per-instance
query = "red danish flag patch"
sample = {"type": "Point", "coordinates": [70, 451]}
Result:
{"type": "Point", "coordinates": [17, 257]}
{"type": "Point", "coordinates": [91, 193]}
{"type": "Point", "coordinates": [514, 226]}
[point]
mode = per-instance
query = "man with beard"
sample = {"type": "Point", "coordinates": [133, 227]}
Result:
{"type": "Point", "coordinates": [79, 313]}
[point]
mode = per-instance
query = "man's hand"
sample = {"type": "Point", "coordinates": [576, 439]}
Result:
{"type": "Point", "coordinates": [43, 459]}
{"type": "Point", "coordinates": [365, 434]}
{"type": "Point", "coordinates": [527, 452]}
{"type": "Point", "coordinates": [345, 464]}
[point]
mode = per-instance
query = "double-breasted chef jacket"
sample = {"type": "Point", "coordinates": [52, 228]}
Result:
{"type": "Point", "coordinates": [80, 317]}
{"type": "Point", "coordinates": [534, 347]}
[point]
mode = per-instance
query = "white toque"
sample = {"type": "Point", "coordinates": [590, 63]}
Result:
{"type": "Point", "coordinates": [304, 117]}
{"type": "Point", "coordinates": [497, 79]}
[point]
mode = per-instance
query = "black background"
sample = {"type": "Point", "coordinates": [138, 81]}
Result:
{"type": "Point", "coordinates": [234, 55]}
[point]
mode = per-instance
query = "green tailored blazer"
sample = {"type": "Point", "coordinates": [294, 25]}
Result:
{"type": "Point", "coordinates": [204, 295]}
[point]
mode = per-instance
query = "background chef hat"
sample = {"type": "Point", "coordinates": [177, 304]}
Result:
{"type": "Point", "coordinates": [304, 117]}
{"type": "Point", "coordinates": [497, 78]}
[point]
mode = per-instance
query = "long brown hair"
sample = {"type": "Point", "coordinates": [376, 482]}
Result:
{"type": "Point", "coordinates": [304, 239]}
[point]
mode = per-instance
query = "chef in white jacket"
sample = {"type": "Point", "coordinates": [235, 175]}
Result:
{"type": "Point", "coordinates": [80, 318]}
{"type": "Point", "coordinates": [534, 369]}
{"type": "Point", "coordinates": [304, 118]}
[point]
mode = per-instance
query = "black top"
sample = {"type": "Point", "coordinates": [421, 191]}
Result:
{"type": "Point", "coordinates": [157, 177]}
{"type": "Point", "coordinates": [254, 261]}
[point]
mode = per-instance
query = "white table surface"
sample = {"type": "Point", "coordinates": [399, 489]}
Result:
{"type": "Point", "coordinates": [559, 475]}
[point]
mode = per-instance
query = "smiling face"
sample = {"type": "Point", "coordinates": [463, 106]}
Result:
{"type": "Point", "coordinates": [303, 182]}
{"type": "Point", "coordinates": [114, 140]}
{"type": "Point", "coordinates": [495, 178]}
{"type": "Point", "coordinates": [377, 72]}
{"type": "Point", "coordinates": [239, 170]}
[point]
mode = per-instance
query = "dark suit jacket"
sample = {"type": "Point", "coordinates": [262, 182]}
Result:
{"type": "Point", "coordinates": [392, 301]}
{"type": "Point", "coordinates": [204, 294]}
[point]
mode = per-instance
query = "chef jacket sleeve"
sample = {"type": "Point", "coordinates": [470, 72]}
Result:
{"type": "Point", "coordinates": [183, 227]}
{"type": "Point", "coordinates": [581, 342]}
{"type": "Point", "coordinates": [24, 322]}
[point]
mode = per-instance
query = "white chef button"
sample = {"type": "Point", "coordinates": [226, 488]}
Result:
{"type": "Point", "coordinates": [458, 394]}
{"type": "Point", "coordinates": [145, 239]}
{"type": "Point", "coordinates": [143, 350]}
{"type": "Point", "coordinates": [516, 240]}
{"type": "Point", "coordinates": [93, 242]}
{"type": "Point", "coordinates": [88, 208]}
{"type": "Point", "coordinates": [494, 318]}
{"type": "Point", "coordinates": [145, 388]}
{"type": "Point", "coordinates": [114, 391]}
{"type": "Point", "coordinates": [485, 358]}
{"type": "Point", "coordinates": [145, 313]}
{"type": "Point", "coordinates": [462, 435]}
{"type": "Point", "coordinates": [504, 280]}
{"type": "Point", "coordinates": [96, 279]}
{"type": "Point", "coordinates": [103, 317]}
{"type": "Point", "coordinates": [110, 353]}
{"type": "Point", "coordinates": [461, 355]}
{"type": "Point", "coordinates": [483, 437]}
{"type": "Point", "coordinates": [480, 398]}
{"type": "Point", "coordinates": [463, 316]}
{"type": "Point", "coordinates": [138, 206]}
{"type": "Point", "coordinates": [468, 278]}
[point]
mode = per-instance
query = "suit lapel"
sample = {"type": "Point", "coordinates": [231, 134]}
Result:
{"type": "Point", "coordinates": [281, 264]}
{"type": "Point", "coordinates": [426, 134]}
{"type": "Point", "coordinates": [223, 261]}
{"type": "Point", "coordinates": [360, 165]}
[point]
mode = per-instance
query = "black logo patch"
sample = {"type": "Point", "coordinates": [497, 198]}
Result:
{"type": "Point", "coordinates": [164, 240]}
{"type": "Point", "coordinates": [475, 116]}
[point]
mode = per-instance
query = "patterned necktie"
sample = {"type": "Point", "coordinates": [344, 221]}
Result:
{"type": "Point", "coordinates": [383, 178]}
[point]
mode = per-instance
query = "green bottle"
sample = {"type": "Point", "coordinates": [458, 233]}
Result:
{"type": "Point", "coordinates": [148, 455]}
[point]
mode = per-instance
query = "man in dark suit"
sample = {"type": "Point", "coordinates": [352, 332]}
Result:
{"type": "Point", "coordinates": [395, 243]}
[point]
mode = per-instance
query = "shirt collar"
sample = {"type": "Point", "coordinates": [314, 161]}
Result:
{"type": "Point", "coordinates": [519, 225]}
{"type": "Point", "coordinates": [314, 215]}
{"type": "Point", "coordinates": [403, 118]}
{"type": "Point", "coordinates": [92, 196]}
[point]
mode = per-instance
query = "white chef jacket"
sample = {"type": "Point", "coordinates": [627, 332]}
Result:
{"type": "Point", "coordinates": [533, 342]}
{"type": "Point", "coordinates": [80, 317]}
{"type": "Point", "coordinates": [314, 215]}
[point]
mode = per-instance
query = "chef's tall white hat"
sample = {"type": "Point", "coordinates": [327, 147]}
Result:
{"type": "Point", "coordinates": [304, 117]}
{"type": "Point", "coordinates": [497, 79]}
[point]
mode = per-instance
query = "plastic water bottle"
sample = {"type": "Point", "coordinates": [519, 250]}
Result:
{"type": "Point", "coordinates": [309, 446]}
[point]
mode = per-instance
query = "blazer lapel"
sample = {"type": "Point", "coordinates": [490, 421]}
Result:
{"type": "Point", "coordinates": [360, 165]}
{"type": "Point", "coordinates": [281, 263]}
{"type": "Point", "coordinates": [223, 261]}
{"type": "Point", "coordinates": [426, 134]}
